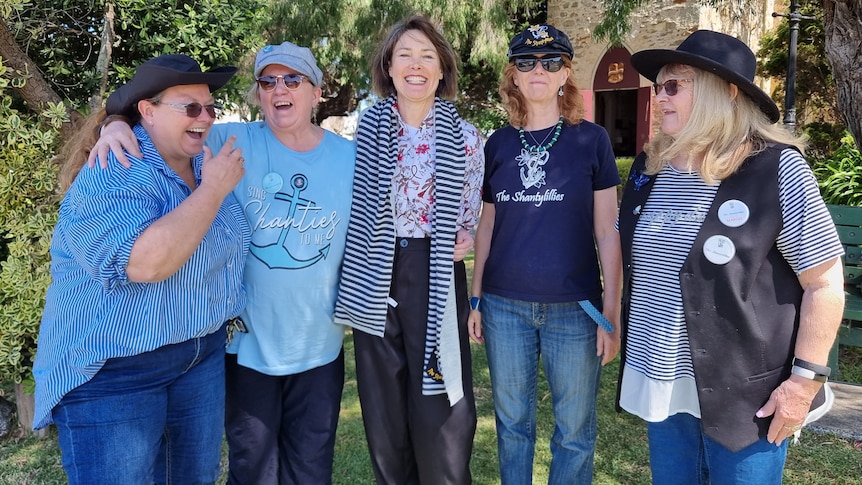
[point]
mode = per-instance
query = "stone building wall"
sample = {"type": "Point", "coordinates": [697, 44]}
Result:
{"type": "Point", "coordinates": [661, 24]}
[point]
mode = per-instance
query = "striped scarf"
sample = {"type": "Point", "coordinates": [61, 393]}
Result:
{"type": "Point", "coordinates": [366, 276]}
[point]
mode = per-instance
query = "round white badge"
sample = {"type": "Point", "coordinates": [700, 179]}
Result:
{"type": "Point", "coordinates": [733, 213]}
{"type": "Point", "coordinates": [719, 249]}
{"type": "Point", "coordinates": [272, 182]}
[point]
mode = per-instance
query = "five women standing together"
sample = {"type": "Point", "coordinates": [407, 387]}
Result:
{"type": "Point", "coordinates": [712, 222]}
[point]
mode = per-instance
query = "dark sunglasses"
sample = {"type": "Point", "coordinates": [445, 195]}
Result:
{"type": "Point", "coordinates": [290, 81]}
{"type": "Point", "coordinates": [671, 86]}
{"type": "Point", "coordinates": [193, 110]}
{"type": "Point", "coordinates": [550, 64]}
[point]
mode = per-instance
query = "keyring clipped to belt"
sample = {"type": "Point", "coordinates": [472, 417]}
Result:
{"type": "Point", "coordinates": [235, 324]}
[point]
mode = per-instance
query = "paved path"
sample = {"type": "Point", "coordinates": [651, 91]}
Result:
{"type": "Point", "coordinates": [845, 418]}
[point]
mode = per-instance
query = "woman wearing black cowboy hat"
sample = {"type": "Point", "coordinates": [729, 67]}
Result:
{"type": "Point", "coordinates": [146, 266]}
{"type": "Point", "coordinates": [732, 274]}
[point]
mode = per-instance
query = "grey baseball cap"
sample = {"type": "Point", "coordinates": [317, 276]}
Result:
{"type": "Point", "coordinates": [300, 59]}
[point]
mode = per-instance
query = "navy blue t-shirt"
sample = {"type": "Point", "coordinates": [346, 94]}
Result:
{"type": "Point", "coordinates": [542, 247]}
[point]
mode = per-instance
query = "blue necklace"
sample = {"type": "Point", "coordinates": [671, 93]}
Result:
{"type": "Point", "coordinates": [545, 147]}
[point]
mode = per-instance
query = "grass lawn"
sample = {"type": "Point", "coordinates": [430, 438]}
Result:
{"type": "Point", "coordinates": [621, 453]}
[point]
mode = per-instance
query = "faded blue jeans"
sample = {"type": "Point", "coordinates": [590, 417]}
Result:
{"type": "Point", "coordinates": [155, 417]}
{"type": "Point", "coordinates": [516, 334]}
{"type": "Point", "coordinates": [680, 454]}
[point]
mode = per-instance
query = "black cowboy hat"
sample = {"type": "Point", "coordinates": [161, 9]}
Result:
{"type": "Point", "coordinates": [540, 39]}
{"type": "Point", "coordinates": [725, 56]}
{"type": "Point", "coordinates": [160, 73]}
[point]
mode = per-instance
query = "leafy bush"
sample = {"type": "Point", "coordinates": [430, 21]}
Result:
{"type": "Point", "coordinates": [624, 165]}
{"type": "Point", "coordinates": [824, 139]}
{"type": "Point", "coordinates": [840, 176]}
{"type": "Point", "coordinates": [28, 213]}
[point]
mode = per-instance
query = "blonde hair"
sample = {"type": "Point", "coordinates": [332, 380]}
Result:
{"type": "Point", "coordinates": [723, 130]}
{"type": "Point", "coordinates": [571, 103]}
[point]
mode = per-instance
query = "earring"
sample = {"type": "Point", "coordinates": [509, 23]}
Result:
{"type": "Point", "coordinates": [560, 92]}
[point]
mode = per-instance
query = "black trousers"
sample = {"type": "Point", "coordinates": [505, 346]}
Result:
{"type": "Point", "coordinates": [281, 429]}
{"type": "Point", "coordinates": [412, 438]}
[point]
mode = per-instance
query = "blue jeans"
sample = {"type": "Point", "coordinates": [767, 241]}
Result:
{"type": "Point", "coordinates": [155, 417]}
{"type": "Point", "coordinates": [516, 334]}
{"type": "Point", "coordinates": [681, 454]}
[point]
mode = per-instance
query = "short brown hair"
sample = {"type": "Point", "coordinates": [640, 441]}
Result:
{"type": "Point", "coordinates": [381, 82]}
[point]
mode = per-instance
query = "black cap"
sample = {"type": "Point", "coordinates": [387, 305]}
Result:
{"type": "Point", "coordinates": [540, 39]}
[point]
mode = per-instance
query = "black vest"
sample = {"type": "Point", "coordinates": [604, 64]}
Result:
{"type": "Point", "coordinates": [742, 316]}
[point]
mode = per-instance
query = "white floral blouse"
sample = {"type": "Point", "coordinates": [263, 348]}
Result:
{"type": "Point", "coordinates": [414, 178]}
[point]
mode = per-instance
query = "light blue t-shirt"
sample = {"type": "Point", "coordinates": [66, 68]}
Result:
{"type": "Point", "coordinates": [297, 204]}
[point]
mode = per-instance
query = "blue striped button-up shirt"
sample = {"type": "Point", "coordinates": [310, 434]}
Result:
{"type": "Point", "coordinates": [92, 311]}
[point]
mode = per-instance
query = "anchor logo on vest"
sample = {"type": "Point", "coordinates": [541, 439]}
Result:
{"type": "Point", "coordinates": [276, 255]}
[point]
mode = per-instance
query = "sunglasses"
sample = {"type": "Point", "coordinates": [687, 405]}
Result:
{"type": "Point", "coordinates": [671, 86]}
{"type": "Point", "coordinates": [550, 64]}
{"type": "Point", "coordinates": [290, 81]}
{"type": "Point", "coordinates": [193, 110]}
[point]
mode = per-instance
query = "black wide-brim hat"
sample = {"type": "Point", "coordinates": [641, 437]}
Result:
{"type": "Point", "coordinates": [160, 73]}
{"type": "Point", "coordinates": [725, 56]}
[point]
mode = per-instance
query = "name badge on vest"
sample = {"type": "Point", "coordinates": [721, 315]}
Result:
{"type": "Point", "coordinates": [733, 213]}
{"type": "Point", "coordinates": [719, 249]}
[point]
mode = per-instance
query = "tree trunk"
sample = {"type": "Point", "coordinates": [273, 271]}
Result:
{"type": "Point", "coordinates": [843, 25]}
{"type": "Point", "coordinates": [37, 91]}
{"type": "Point", "coordinates": [26, 405]}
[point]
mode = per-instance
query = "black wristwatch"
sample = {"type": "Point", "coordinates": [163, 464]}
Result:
{"type": "Point", "coordinates": [476, 303]}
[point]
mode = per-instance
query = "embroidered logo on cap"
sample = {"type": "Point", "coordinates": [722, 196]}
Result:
{"type": "Point", "coordinates": [540, 36]}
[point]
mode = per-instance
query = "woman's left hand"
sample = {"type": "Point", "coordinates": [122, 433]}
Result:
{"type": "Point", "coordinates": [788, 405]}
{"type": "Point", "coordinates": [463, 244]}
{"type": "Point", "coordinates": [607, 344]}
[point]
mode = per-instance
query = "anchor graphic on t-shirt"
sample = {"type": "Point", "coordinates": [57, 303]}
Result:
{"type": "Point", "coordinates": [276, 255]}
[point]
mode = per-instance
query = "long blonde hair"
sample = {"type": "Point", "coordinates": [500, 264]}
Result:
{"type": "Point", "coordinates": [723, 130]}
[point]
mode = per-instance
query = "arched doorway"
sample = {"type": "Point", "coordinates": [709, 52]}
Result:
{"type": "Point", "coordinates": [620, 104]}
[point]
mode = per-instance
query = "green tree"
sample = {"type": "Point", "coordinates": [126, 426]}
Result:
{"type": "Point", "coordinates": [344, 34]}
{"type": "Point", "coordinates": [842, 37]}
{"type": "Point", "coordinates": [81, 49]}
{"type": "Point", "coordinates": [58, 57]}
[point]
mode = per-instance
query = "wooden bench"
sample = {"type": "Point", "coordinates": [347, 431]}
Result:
{"type": "Point", "coordinates": [848, 221]}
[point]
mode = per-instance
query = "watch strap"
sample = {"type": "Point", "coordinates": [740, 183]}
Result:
{"type": "Point", "coordinates": [808, 374]}
{"type": "Point", "coordinates": [817, 369]}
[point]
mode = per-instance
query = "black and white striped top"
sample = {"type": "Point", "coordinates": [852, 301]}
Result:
{"type": "Point", "coordinates": [658, 379]}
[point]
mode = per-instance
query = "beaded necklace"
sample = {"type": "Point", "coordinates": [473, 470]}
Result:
{"type": "Point", "coordinates": [542, 148]}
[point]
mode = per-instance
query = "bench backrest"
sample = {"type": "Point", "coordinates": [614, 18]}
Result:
{"type": "Point", "coordinates": [848, 222]}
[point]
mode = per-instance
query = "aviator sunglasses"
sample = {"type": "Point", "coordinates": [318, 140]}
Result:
{"type": "Point", "coordinates": [290, 81]}
{"type": "Point", "coordinates": [550, 64]}
{"type": "Point", "coordinates": [193, 110]}
{"type": "Point", "coordinates": [671, 86]}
